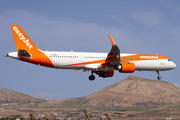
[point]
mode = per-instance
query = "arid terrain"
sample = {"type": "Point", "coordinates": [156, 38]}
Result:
{"type": "Point", "coordinates": [132, 92]}
{"type": "Point", "coordinates": [131, 98]}
{"type": "Point", "coordinates": [9, 96]}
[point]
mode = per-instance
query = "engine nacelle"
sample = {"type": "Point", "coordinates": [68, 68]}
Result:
{"type": "Point", "coordinates": [127, 67]}
{"type": "Point", "coordinates": [110, 73]}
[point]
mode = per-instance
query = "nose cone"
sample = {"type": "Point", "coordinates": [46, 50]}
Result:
{"type": "Point", "coordinates": [173, 65]}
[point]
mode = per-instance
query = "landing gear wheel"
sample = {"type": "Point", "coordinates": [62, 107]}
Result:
{"type": "Point", "coordinates": [159, 77]}
{"type": "Point", "coordinates": [105, 74]}
{"type": "Point", "coordinates": [91, 77]}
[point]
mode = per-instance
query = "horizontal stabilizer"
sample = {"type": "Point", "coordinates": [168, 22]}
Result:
{"type": "Point", "coordinates": [23, 53]}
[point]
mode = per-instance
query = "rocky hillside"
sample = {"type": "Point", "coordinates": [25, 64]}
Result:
{"type": "Point", "coordinates": [9, 96]}
{"type": "Point", "coordinates": [134, 91]}
{"type": "Point", "coordinates": [130, 92]}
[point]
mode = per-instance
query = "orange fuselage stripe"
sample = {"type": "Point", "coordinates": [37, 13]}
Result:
{"type": "Point", "coordinates": [136, 57]}
{"type": "Point", "coordinates": [90, 62]}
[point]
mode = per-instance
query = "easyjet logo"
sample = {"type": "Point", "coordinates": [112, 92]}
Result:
{"type": "Point", "coordinates": [149, 57]}
{"type": "Point", "coordinates": [21, 37]}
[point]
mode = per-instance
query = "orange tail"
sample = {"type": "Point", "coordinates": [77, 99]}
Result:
{"type": "Point", "coordinates": [26, 49]}
{"type": "Point", "coordinates": [22, 41]}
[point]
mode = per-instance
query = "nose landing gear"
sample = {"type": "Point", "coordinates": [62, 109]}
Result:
{"type": "Point", "coordinates": [159, 77]}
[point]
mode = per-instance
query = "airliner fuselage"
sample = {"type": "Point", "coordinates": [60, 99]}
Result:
{"type": "Point", "coordinates": [103, 64]}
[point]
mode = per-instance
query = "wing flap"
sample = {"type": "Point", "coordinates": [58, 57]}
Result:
{"type": "Point", "coordinates": [92, 66]}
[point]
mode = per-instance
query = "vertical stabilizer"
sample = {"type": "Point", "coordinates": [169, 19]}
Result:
{"type": "Point", "coordinates": [22, 41]}
{"type": "Point", "coordinates": [26, 50]}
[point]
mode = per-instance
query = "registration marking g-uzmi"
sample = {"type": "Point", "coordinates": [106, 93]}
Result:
{"type": "Point", "coordinates": [21, 37]}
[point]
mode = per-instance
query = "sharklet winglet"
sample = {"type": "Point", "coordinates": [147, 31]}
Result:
{"type": "Point", "coordinates": [112, 41]}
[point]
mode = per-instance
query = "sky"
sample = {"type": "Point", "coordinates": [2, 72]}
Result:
{"type": "Point", "coordinates": [141, 26]}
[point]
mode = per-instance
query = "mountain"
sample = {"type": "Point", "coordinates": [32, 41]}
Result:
{"type": "Point", "coordinates": [9, 96]}
{"type": "Point", "coordinates": [135, 91]}
{"type": "Point", "coordinates": [130, 92]}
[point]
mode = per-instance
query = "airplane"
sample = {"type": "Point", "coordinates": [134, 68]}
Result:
{"type": "Point", "coordinates": [102, 64]}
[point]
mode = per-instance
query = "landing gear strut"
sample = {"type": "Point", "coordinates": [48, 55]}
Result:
{"type": "Point", "coordinates": [91, 77]}
{"type": "Point", "coordinates": [159, 77]}
{"type": "Point", "coordinates": [105, 74]}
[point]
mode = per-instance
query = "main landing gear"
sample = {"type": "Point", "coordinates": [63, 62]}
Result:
{"type": "Point", "coordinates": [159, 77]}
{"type": "Point", "coordinates": [105, 74]}
{"type": "Point", "coordinates": [91, 77]}
{"type": "Point", "coordinates": [100, 73]}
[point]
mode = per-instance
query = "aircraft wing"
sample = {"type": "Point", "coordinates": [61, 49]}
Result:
{"type": "Point", "coordinates": [113, 57]}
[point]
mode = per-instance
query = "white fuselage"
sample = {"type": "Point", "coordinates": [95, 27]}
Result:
{"type": "Point", "coordinates": [85, 60]}
{"type": "Point", "coordinates": [66, 60]}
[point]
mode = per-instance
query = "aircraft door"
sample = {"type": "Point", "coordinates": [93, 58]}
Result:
{"type": "Point", "coordinates": [82, 58]}
{"type": "Point", "coordinates": [43, 57]}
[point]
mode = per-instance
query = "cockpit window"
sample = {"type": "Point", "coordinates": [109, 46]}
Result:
{"type": "Point", "coordinates": [169, 60]}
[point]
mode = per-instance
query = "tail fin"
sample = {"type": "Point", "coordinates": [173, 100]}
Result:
{"type": "Point", "coordinates": [26, 50]}
{"type": "Point", "coordinates": [22, 41]}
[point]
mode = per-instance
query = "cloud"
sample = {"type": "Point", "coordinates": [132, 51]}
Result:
{"type": "Point", "coordinates": [48, 96]}
{"type": "Point", "coordinates": [147, 18]}
{"type": "Point", "coordinates": [79, 89]}
{"type": "Point", "coordinates": [142, 31]}
{"type": "Point", "coordinates": [61, 33]}
{"type": "Point", "coordinates": [119, 20]}
{"type": "Point", "coordinates": [178, 85]}
{"type": "Point", "coordinates": [34, 86]}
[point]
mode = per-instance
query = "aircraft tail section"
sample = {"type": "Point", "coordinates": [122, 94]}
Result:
{"type": "Point", "coordinates": [26, 49]}
{"type": "Point", "coordinates": [22, 41]}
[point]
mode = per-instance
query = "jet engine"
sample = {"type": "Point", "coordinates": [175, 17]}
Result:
{"type": "Point", "coordinates": [126, 67]}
